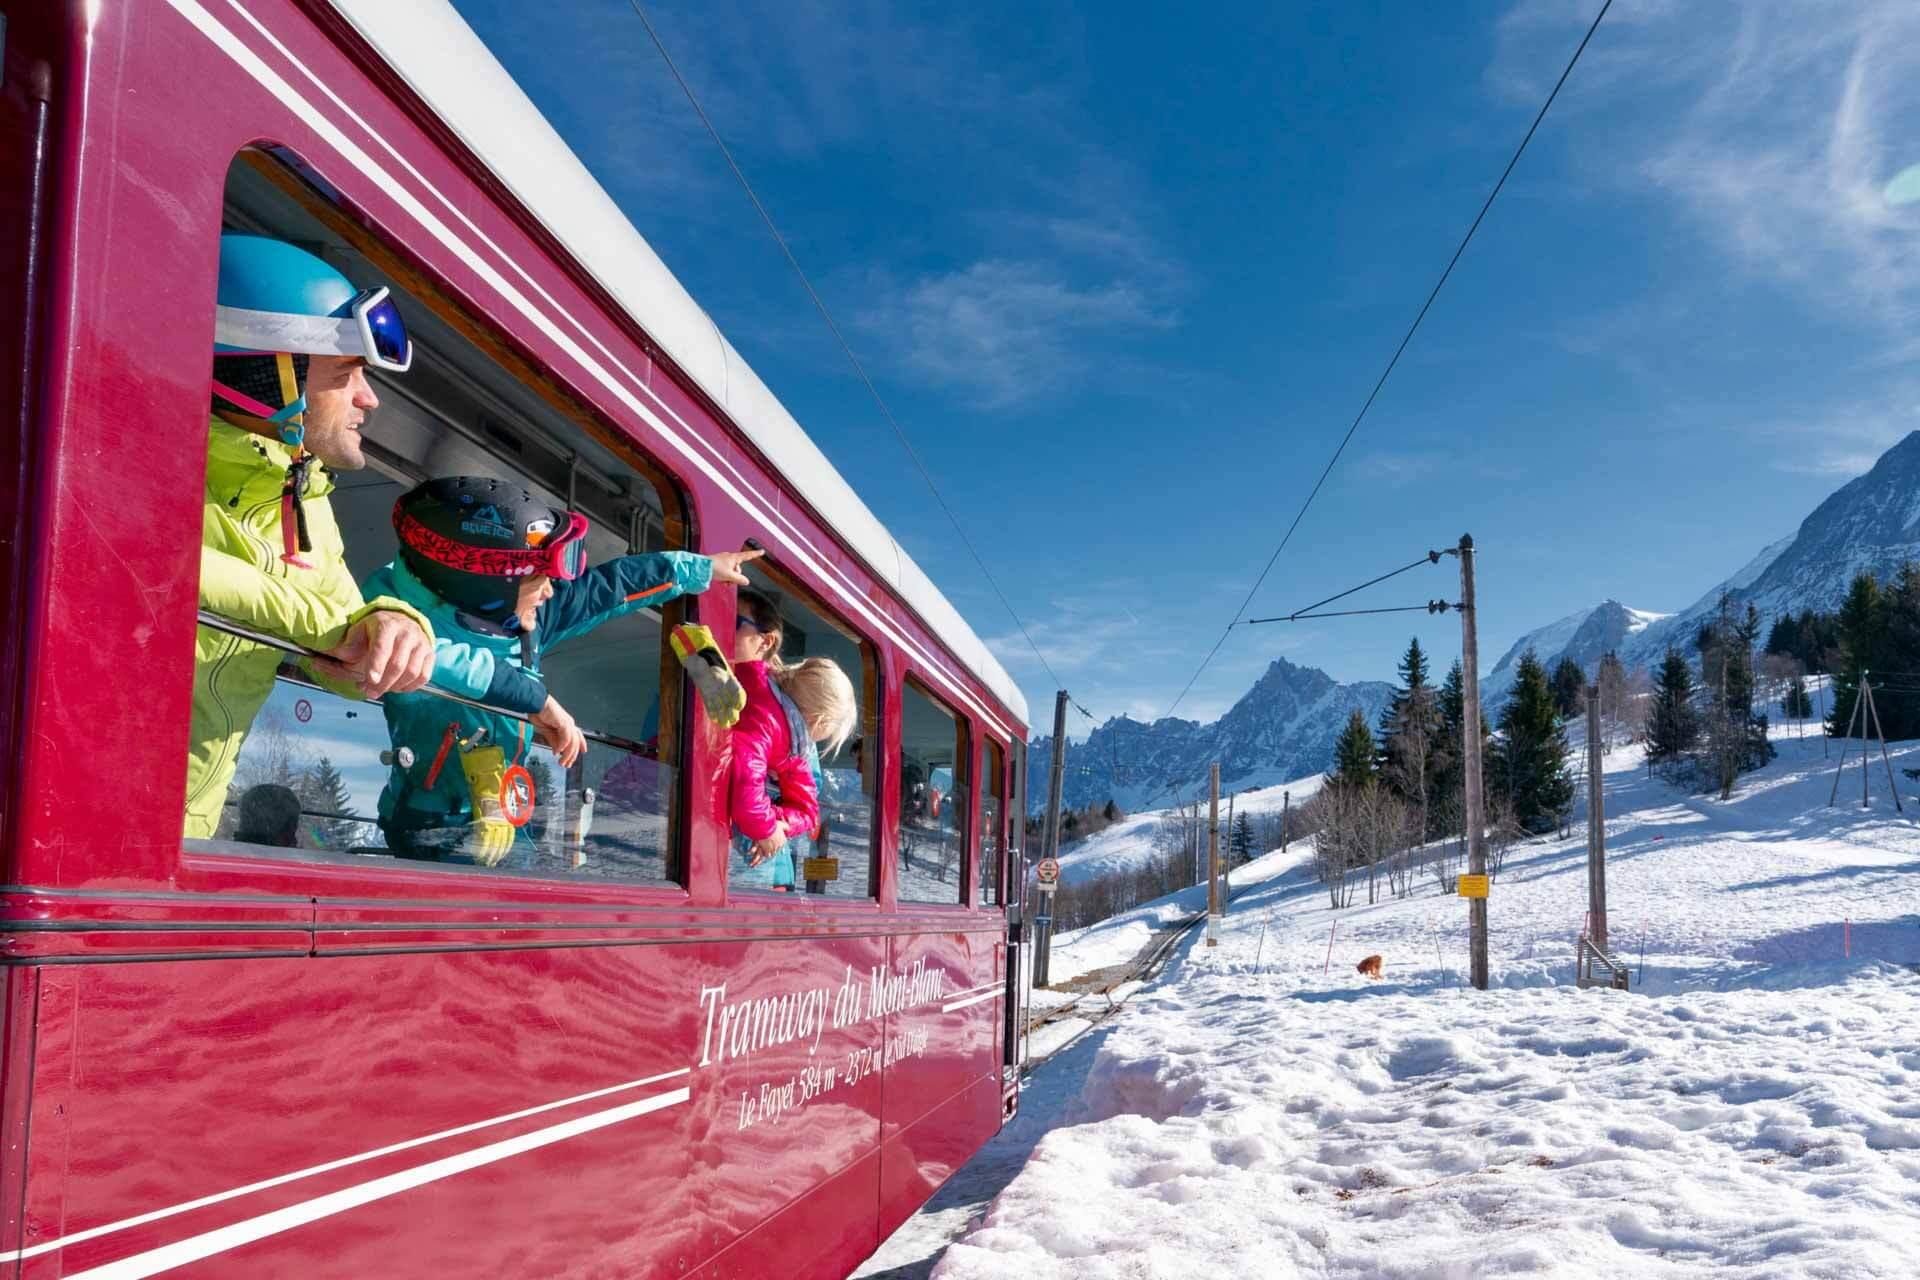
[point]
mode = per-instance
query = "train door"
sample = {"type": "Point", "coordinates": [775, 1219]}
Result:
{"type": "Point", "coordinates": [1013, 1040]}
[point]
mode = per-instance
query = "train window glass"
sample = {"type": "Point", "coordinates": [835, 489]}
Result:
{"type": "Point", "coordinates": [993, 823]}
{"type": "Point", "coordinates": [840, 851]}
{"type": "Point", "coordinates": [287, 759]}
{"type": "Point", "coordinates": [933, 799]}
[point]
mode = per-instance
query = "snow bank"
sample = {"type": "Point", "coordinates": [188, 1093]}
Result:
{"type": "Point", "coordinates": [1752, 1108]}
{"type": "Point", "coordinates": [1234, 1131]}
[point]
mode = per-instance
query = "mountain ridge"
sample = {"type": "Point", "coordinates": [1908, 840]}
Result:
{"type": "Point", "coordinates": [1283, 727]}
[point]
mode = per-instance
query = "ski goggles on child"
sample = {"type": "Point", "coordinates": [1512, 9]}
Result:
{"type": "Point", "coordinates": [561, 555]}
{"type": "Point", "coordinates": [371, 329]}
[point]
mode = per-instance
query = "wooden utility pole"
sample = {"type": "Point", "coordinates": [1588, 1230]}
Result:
{"type": "Point", "coordinates": [1596, 829]}
{"type": "Point", "coordinates": [1213, 855]}
{"type": "Point", "coordinates": [1226, 874]}
{"type": "Point", "coordinates": [1470, 753]}
{"type": "Point", "coordinates": [1043, 922]}
{"type": "Point", "coordinates": [1823, 718]}
{"type": "Point", "coordinates": [1846, 742]}
{"type": "Point", "coordinates": [1881, 734]}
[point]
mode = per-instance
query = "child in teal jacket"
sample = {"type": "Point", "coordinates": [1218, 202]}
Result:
{"type": "Point", "coordinates": [502, 576]}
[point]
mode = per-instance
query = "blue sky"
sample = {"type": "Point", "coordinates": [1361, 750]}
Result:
{"type": "Point", "coordinates": [1125, 273]}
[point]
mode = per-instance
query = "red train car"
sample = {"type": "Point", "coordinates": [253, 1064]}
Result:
{"type": "Point", "coordinates": [223, 1058]}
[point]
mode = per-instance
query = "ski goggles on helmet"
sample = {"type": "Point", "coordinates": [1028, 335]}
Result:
{"type": "Point", "coordinates": [561, 555]}
{"type": "Point", "coordinates": [371, 329]}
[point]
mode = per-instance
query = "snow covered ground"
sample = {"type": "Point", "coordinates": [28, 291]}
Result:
{"type": "Point", "coordinates": [1129, 842]}
{"type": "Point", "coordinates": [1752, 1108]}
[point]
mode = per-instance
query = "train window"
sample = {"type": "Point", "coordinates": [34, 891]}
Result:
{"type": "Point", "coordinates": [840, 851]}
{"type": "Point", "coordinates": [993, 824]}
{"type": "Point", "coordinates": [933, 800]}
{"type": "Point", "coordinates": [287, 758]}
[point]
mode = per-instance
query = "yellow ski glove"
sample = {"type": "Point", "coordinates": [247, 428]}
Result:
{"type": "Point", "coordinates": [720, 691]}
{"type": "Point", "coordinates": [489, 835]}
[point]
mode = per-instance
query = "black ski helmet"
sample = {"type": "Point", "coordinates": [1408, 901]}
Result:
{"type": "Point", "coordinates": [471, 539]}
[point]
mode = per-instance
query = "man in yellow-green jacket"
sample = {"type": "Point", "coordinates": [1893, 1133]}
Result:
{"type": "Point", "coordinates": [293, 340]}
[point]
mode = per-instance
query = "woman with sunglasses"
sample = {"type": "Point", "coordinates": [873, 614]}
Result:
{"type": "Point", "coordinates": [501, 575]}
{"type": "Point", "coordinates": [773, 796]}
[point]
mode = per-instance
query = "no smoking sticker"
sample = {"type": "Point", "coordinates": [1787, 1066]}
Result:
{"type": "Point", "coordinates": [516, 796]}
{"type": "Point", "coordinates": [303, 711]}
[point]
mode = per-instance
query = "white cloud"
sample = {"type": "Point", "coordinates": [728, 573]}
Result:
{"type": "Point", "coordinates": [1007, 331]}
{"type": "Point", "coordinates": [1773, 126]}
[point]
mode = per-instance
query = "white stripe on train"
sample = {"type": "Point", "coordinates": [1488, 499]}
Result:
{"type": "Point", "coordinates": [246, 1231]}
{"type": "Point", "coordinates": [94, 1233]}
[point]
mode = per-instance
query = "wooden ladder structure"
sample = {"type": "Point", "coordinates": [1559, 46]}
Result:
{"type": "Point", "coordinates": [1595, 968]}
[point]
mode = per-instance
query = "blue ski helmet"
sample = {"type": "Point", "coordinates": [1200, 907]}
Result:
{"type": "Point", "coordinates": [277, 305]}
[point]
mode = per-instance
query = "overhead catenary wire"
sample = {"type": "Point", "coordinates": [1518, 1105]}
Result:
{"type": "Point", "coordinates": [1431, 606]}
{"type": "Point", "coordinates": [1431, 557]}
{"type": "Point", "coordinates": [846, 347]}
{"type": "Point", "coordinates": [1395, 358]}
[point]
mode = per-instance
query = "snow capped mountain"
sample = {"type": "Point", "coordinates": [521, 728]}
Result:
{"type": "Point", "coordinates": [1283, 727]}
{"type": "Point", "coordinates": [1871, 523]}
{"type": "Point", "coordinates": [1584, 636]}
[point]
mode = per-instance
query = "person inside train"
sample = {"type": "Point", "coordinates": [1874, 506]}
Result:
{"type": "Point", "coordinates": [293, 340]}
{"type": "Point", "coordinates": [269, 815]}
{"type": "Point", "coordinates": [774, 789]}
{"type": "Point", "coordinates": [502, 575]}
{"type": "Point", "coordinates": [829, 712]}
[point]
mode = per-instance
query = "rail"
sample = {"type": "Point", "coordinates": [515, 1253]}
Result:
{"type": "Point", "coordinates": [1143, 968]}
{"type": "Point", "coordinates": [227, 626]}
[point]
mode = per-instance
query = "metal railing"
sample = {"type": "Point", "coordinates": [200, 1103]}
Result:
{"type": "Point", "coordinates": [227, 626]}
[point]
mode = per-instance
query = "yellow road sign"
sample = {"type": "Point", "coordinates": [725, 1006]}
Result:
{"type": "Point", "coordinates": [1473, 886]}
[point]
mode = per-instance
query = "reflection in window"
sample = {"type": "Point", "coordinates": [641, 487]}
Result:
{"type": "Point", "coordinates": [993, 808]}
{"type": "Point", "coordinates": [933, 800]}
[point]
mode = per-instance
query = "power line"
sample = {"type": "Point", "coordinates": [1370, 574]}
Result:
{"type": "Point", "coordinates": [1431, 557]}
{"type": "Point", "coordinates": [852, 359]}
{"type": "Point", "coordinates": [1431, 606]}
{"type": "Point", "coordinates": [1395, 360]}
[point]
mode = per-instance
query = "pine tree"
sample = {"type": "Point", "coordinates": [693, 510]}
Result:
{"type": "Point", "coordinates": [323, 790]}
{"type": "Point", "coordinates": [1240, 841]}
{"type": "Point", "coordinates": [1862, 635]}
{"type": "Point", "coordinates": [1530, 756]}
{"type": "Point", "coordinates": [1735, 736]}
{"type": "Point", "coordinates": [1569, 685]}
{"type": "Point", "coordinates": [1797, 704]}
{"type": "Point", "coordinates": [1899, 712]}
{"type": "Point", "coordinates": [1112, 812]}
{"type": "Point", "coordinates": [1353, 753]}
{"type": "Point", "coordinates": [1411, 732]}
{"type": "Point", "coordinates": [1672, 728]}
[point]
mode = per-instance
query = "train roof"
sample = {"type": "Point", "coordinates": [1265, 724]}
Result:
{"type": "Point", "coordinates": [440, 58]}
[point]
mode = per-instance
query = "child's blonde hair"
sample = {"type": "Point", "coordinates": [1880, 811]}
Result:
{"type": "Point", "coordinates": [825, 697]}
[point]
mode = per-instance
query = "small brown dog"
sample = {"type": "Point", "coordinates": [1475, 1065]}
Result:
{"type": "Point", "coordinates": [1370, 966]}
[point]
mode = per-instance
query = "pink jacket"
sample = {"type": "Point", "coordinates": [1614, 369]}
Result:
{"type": "Point", "coordinates": [763, 748]}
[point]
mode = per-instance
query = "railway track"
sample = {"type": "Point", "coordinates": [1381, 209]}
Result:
{"type": "Point", "coordinates": [1099, 994]}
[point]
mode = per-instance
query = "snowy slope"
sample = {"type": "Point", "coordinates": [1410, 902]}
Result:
{"type": "Point", "coordinates": [1130, 842]}
{"type": "Point", "coordinates": [1751, 1109]}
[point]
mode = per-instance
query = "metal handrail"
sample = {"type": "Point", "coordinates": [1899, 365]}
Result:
{"type": "Point", "coordinates": [226, 626]}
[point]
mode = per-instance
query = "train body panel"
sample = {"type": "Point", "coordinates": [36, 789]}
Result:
{"type": "Point", "coordinates": [227, 1060]}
